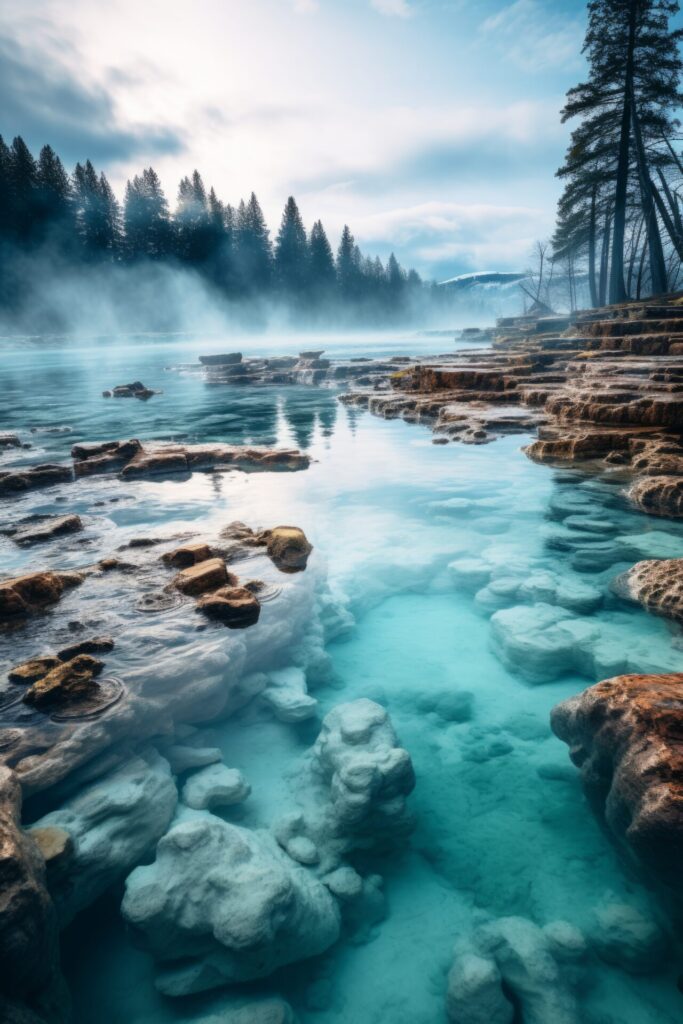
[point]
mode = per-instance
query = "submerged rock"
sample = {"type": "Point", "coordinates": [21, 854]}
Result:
{"type": "Point", "coordinates": [625, 736]}
{"type": "Point", "coordinates": [113, 824]}
{"type": "Point", "coordinates": [187, 555]}
{"type": "Point", "coordinates": [40, 529]}
{"type": "Point", "coordinates": [222, 905]}
{"type": "Point", "coordinates": [215, 786]}
{"type": "Point", "coordinates": [135, 390]}
{"type": "Point", "coordinates": [629, 937]}
{"type": "Point", "coordinates": [287, 695]}
{"type": "Point", "coordinates": [26, 595]}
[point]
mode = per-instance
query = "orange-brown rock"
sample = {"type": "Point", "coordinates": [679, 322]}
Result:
{"type": "Point", "coordinates": [15, 481]}
{"type": "Point", "coordinates": [187, 555]}
{"type": "Point", "coordinates": [234, 606]}
{"type": "Point", "coordinates": [626, 737]}
{"type": "Point", "coordinates": [658, 495]}
{"type": "Point", "coordinates": [68, 680]}
{"type": "Point", "coordinates": [206, 575]}
{"type": "Point", "coordinates": [39, 529]}
{"type": "Point", "coordinates": [36, 668]}
{"type": "Point", "coordinates": [288, 547]}
{"type": "Point", "coordinates": [25, 595]}
{"type": "Point", "coordinates": [657, 584]}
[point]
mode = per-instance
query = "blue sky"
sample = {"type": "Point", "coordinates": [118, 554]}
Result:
{"type": "Point", "coordinates": [430, 126]}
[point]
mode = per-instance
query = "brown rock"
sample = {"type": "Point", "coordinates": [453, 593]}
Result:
{"type": "Point", "coordinates": [287, 547]}
{"type": "Point", "coordinates": [17, 480]}
{"type": "Point", "coordinates": [657, 584]}
{"type": "Point", "coordinates": [658, 495]}
{"type": "Point", "coordinates": [93, 645]}
{"type": "Point", "coordinates": [45, 528]}
{"type": "Point", "coordinates": [69, 680]}
{"type": "Point", "coordinates": [25, 595]}
{"type": "Point", "coordinates": [626, 736]}
{"type": "Point", "coordinates": [235, 606]}
{"type": "Point", "coordinates": [56, 846]}
{"type": "Point", "coordinates": [30, 671]}
{"type": "Point", "coordinates": [197, 579]}
{"type": "Point", "coordinates": [187, 555]}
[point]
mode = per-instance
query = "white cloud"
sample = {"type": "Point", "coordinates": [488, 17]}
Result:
{"type": "Point", "coordinates": [536, 37]}
{"type": "Point", "coordinates": [392, 8]}
{"type": "Point", "coordinates": [306, 6]}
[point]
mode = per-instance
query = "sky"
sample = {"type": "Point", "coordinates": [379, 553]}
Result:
{"type": "Point", "coordinates": [431, 127]}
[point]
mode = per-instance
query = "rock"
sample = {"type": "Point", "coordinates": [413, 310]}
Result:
{"type": "Point", "coordinates": [68, 680]}
{"type": "Point", "coordinates": [509, 961]}
{"type": "Point", "coordinates": [567, 944]}
{"type": "Point", "coordinates": [9, 441]}
{"type": "Point", "coordinates": [287, 694]}
{"type": "Point", "coordinates": [311, 354]}
{"type": "Point", "coordinates": [104, 457]}
{"type": "Point", "coordinates": [265, 1011]}
{"type": "Point", "coordinates": [658, 495]}
{"type": "Point", "coordinates": [45, 528]}
{"type": "Point", "coordinates": [36, 668]}
{"type": "Point", "coordinates": [215, 786]}
{"type": "Point", "coordinates": [135, 390]}
{"type": "Point", "coordinates": [222, 359]}
{"type": "Point", "coordinates": [222, 905]}
{"type": "Point", "coordinates": [93, 645]}
{"type": "Point", "coordinates": [657, 584]}
{"type": "Point", "coordinates": [475, 993]}
{"type": "Point", "coordinates": [31, 477]}
{"type": "Point", "coordinates": [623, 935]}
{"type": "Point", "coordinates": [183, 759]}
{"type": "Point", "coordinates": [187, 555]}
{"type": "Point", "coordinates": [113, 824]}
{"type": "Point", "coordinates": [205, 575]}
{"type": "Point", "coordinates": [236, 607]}
{"type": "Point", "coordinates": [26, 595]}
{"type": "Point", "coordinates": [625, 736]}
{"type": "Point", "coordinates": [30, 982]}
{"type": "Point", "coordinates": [366, 778]}
{"type": "Point", "coordinates": [287, 547]}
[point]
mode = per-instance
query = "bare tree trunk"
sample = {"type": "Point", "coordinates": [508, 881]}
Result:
{"type": "Point", "coordinates": [670, 217]}
{"type": "Point", "coordinates": [592, 283]}
{"type": "Point", "coordinates": [635, 248]}
{"type": "Point", "coordinates": [617, 290]}
{"type": "Point", "coordinates": [641, 268]}
{"type": "Point", "coordinates": [604, 259]}
{"type": "Point", "coordinates": [654, 239]}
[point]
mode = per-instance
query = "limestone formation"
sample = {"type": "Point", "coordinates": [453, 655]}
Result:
{"type": "Point", "coordinates": [113, 824]}
{"type": "Point", "coordinates": [215, 786]}
{"type": "Point", "coordinates": [657, 584]}
{"type": "Point", "coordinates": [624, 734]}
{"type": "Point", "coordinates": [221, 904]}
{"type": "Point", "coordinates": [64, 682]}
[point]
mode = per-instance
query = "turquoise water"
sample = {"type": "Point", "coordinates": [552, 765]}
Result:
{"type": "Point", "coordinates": [408, 538]}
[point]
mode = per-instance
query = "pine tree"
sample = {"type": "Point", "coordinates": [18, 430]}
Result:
{"type": "Point", "coordinates": [627, 109]}
{"type": "Point", "coordinates": [321, 263]}
{"type": "Point", "coordinates": [291, 262]}
{"type": "Point", "coordinates": [255, 252]}
{"type": "Point", "coordinates": [23, 190]}
{"type": "Point", "coordinates": [348, 271]}
{"type": "Point", "coordinates": [146, 219]}
{"type": "Point", "coordinates": [6, 204]}
{"type": "Point", "coordinates": [54, 205]}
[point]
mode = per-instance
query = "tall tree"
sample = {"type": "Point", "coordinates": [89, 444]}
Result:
{"type": "Point", "coordinates": [23, 190]}
{"type": "Point", "coordinates": [255, 251]}
{"type": "Point", "coordinates": [291, 262]}
{"type": "Point", "coordinates": [627, 110]}
{"type": "Point", "coordinates": [348, 270]}
{"type": "Point", "coordinates": [321, 265]}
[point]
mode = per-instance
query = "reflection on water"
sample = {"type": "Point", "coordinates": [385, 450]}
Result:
{"type": "Point", "coordinates": [418, 546]}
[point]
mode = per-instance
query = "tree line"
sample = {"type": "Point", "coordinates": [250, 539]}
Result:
{"type": "Point", "coordinates": [619, 216]}
{"type": "Point", "coordinates": [76, 218]}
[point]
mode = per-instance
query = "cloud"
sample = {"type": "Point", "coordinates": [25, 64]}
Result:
{"type": "Point", "coordinates": [43, 103]}
{"type": "Point", "coordinates": [306, 6]}
{"type": "Point", "coordinates": [535, 36]}
{"type": "Point", "coordinates": [392, 8]}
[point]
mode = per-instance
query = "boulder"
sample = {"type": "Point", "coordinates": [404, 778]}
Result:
{"type": "Point", "coordinates": [36, 668]}
{"type": "Point", "coordinates": [9, 441]}
{"type": "Point", "coordinates": [30, 981]}
{"type": "Point", "coordinates": [187, 555]}
{"type": "Point", "coordinates": [236, 607]}
{"type": "Point", "coordinates": [221, 359]}
{"type": "Point", "coordinates": [624, 734]}
{"type": "Point", "coordinates": [287, 547]}
{"type": "Point", "coordinates": [113, 824]}
{"type": "Point", "coordinates": [215, 786]}
{"type": "Point", "coordinates": [656, 584]}
{"type": "Point", "coordinates": [93, 645]}
{"type": "Point", "coordinates": [222, 905]}
{"type": "Point", "coordinates": [629, 937]}
{"type": "Point", "coordinates": [475, 992]}
{"type": "Point", "coordinates": [26, 595]}
{"type": "Point", "coordinates": [67, 681]}
{"type": "Point", "coordinates": [135, 390]}
{"type": "Point", "coordinates": [205, 575]}
{"type": "Point", "coordinates": [287, 695]}
{"type": "Point", "coordinates": [15, 481]}
{"type": "Point", "coordinates": [40, 529]}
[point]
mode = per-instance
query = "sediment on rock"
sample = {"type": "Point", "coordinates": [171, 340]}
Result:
{"type": "Point", "coordinates": [626, 737]}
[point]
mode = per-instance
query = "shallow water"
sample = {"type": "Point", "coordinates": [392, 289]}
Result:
{"type": "Point", "coordinates": [502, 826]}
